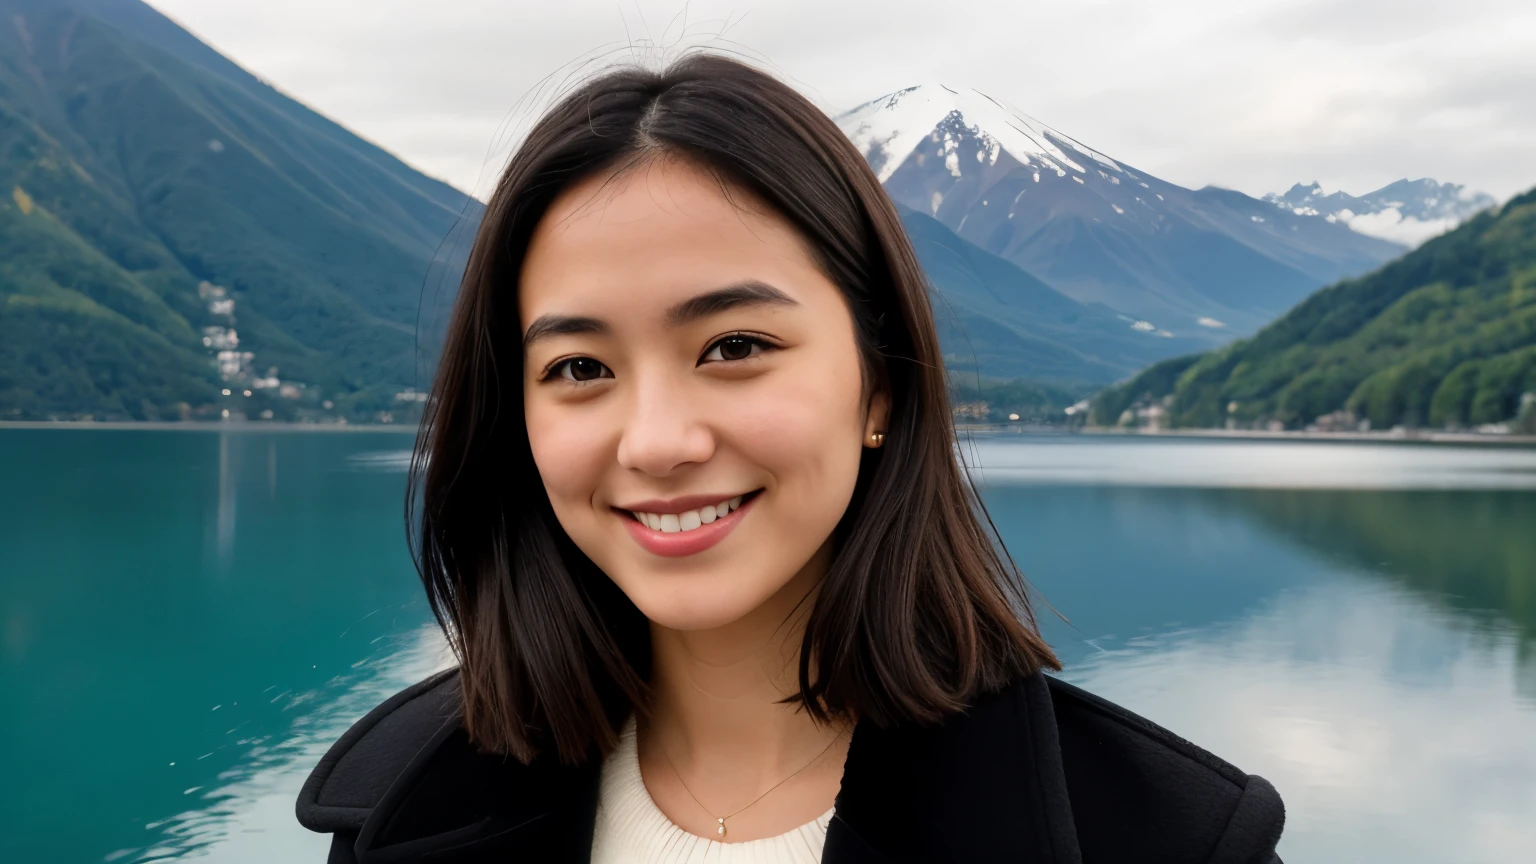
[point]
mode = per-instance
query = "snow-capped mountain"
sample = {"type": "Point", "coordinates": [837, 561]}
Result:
{"type": "Point", "coordinates": [1407, 212]}
{"type": "Point", "coordinates": [1208, 264]}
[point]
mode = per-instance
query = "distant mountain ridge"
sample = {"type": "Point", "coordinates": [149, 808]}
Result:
{"type": "Point", "coordinates": [1443, 337]}
{"type": "Point", "coordinates": [182, 240]}
{"type": "Point", "coordinates": [1405, 211]}
{"type": "Point", "coordinates": [171, 227]}
{"type": "Point", "coordinates": [1203, 264]}
{"type": "Point", "coordinates": [998, 321]}
{"type": "Point", "coordinates": [177, 238]}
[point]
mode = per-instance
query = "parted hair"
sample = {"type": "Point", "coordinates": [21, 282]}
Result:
{"type": "Point", "coordinates": [922, 608]}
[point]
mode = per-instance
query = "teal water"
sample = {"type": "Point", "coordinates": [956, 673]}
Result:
{"type": "Point", "coordinates": [188, 618]}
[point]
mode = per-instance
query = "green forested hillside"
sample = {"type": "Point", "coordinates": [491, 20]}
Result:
{"type": "Point", "coordinates": [1443, 337]}
{"type": "Point", "coordinates": [145, 183]}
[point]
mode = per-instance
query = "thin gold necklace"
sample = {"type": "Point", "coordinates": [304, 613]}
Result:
{"type": "Point", "coordinates": [720, 820]}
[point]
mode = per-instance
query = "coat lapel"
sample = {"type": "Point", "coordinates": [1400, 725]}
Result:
{"type": "Point", "coordinates": [986, 785]}
{"type": "Point", "coordinates": [455, 805]}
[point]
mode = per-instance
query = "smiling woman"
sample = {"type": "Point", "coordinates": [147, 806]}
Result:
{"type": "Point", "coordinates": [690, 518]}
{"type": "Point", "coordinates": [714, 362]}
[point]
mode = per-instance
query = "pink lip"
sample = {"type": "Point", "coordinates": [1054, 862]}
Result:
{"type": "Point", "coordinates": [684, 543]}
{"type": "Point", "coordinates": [677, 505]}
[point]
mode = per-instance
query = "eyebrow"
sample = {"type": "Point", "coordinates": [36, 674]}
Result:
{"type": "Point", "coordinates": [546, 326]}
{"type": "Point", "coordinates": [747, 292]}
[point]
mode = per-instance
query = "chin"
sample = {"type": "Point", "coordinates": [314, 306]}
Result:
{"type": "Point", "coordinates": [694, 605]}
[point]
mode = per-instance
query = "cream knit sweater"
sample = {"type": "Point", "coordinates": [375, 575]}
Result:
{"type": "Point", "coordinates": [631, 829]}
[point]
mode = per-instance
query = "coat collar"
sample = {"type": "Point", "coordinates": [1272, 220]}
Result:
{"type": "Point", "coordinates": [985, 785]}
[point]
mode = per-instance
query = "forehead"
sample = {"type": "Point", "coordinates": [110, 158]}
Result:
{"type": "Point", "coordinates": [663, 230]}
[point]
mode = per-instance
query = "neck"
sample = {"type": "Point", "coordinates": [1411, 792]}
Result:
{"type": "Point", "coordinates": [721, 689]}
{"type": "Point", "coordinates": [719, 718]}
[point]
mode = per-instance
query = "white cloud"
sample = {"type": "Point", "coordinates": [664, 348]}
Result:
{"type": "Point", "coordinates": [1389, 224]}
{"type": "Point", "coordinates": [1253, 96]}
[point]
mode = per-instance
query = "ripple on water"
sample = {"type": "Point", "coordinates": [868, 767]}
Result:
{"type": "Point", "coordinates": [256, 796]}
{"type": "Point", "coordinates": [380, 461]}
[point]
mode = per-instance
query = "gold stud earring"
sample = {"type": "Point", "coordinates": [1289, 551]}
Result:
{"type": "Point", "coordinates": [877, 438]}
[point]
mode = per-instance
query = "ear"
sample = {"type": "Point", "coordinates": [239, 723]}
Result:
{"type": "Point", "coordinates": [877, 418]}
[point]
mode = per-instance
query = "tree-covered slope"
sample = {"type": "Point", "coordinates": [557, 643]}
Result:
{"type": "Point", "coordinates": [137, 164]}
{"type": "Point", "coordinates": [78, 332]}
{"type": "Point", "coordinates": [1444, 337]}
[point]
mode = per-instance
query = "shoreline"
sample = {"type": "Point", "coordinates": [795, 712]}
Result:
{"type": "Point", "coordinates": [1420, 437]}
{"type": "Point", "coordinates": [220, 426]}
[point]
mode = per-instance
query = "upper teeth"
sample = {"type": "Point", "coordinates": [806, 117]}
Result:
{"type": "Point", "coordinates": [671, 523]}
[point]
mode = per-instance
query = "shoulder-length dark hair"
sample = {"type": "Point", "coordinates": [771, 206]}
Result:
{"type": "Point", "coordinates": [921, 610]}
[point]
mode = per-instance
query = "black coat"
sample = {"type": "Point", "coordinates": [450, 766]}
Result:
{"type": "Point", "coordinates": [1039, 772]}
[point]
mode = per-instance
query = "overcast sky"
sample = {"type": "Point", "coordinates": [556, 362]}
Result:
{"type": "Point", "coordinates": [1247, 94]}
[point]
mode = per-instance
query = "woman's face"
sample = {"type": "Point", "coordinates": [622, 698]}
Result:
{"type": "Point", "coordinates": [693, 392]}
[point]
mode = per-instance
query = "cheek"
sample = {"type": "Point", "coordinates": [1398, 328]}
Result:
{"type": "Point", "coordinates": [807, 431]}
{"type": "Point", "coordinates": [569, 455]}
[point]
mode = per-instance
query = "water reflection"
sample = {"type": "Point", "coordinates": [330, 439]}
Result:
{"type": "Point", "coordinates": [1194, 462]}
{"type": "Point", "coordinates": [172, 603]}
{"type": "Point", "coordinates": [1366, 645]}
{"type": "Point", "coordinates": [247, 814]}
{"type": "Point", "coordinates": [1475, 551]}
{"type": "Point", "coordinates": [1367, 651]}
{"type": "Point", "coordinates": [229, 484]}
{"type": "Point", "coordinates": [1394, 730]}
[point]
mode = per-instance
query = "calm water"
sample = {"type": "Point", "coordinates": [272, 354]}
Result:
{"type": "Point", "coordinates": [187, 619]}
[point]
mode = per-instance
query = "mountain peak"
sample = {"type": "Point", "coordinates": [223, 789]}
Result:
{"type": "Point", "coordinates": [887, 129]}
{"type": "Point", "coordinates": [1403, 211]}
{"type": "Point", "coordinates": [1300, 191]}
{"type": "Point", "coordinates": [1098, 230]}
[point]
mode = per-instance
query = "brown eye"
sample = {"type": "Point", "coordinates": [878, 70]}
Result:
{"type": "Point", "coordinates": [733, 348]}
{"type": "Point", "coordinates": [583, 369]}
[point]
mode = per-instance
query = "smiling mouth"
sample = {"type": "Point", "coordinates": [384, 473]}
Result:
{"type": "Point", "coordinates": [690, 520]}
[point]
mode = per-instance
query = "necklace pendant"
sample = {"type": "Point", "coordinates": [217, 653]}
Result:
{"type": "Point", "coordinates": [720, 830]}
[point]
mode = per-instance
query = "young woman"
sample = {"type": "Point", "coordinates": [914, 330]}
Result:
{"type": "Point", "coordinates": [691, 518]}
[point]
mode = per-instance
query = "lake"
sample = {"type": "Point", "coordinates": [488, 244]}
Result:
{"type": "Point", "coordinates": [189, 618]}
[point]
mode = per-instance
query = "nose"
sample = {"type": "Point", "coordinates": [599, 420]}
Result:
{"type": "Point", "coordinates": [665, 429]}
